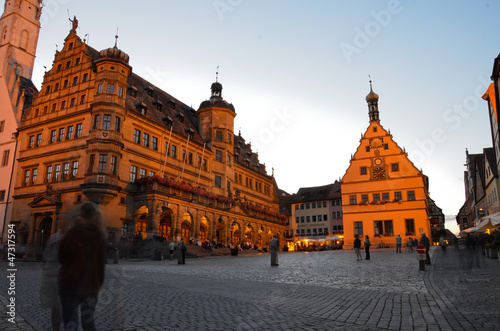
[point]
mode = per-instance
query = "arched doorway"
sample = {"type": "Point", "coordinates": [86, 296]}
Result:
{"type": "Point", "coordinates": [186, 226]}
{"type": "Point", "coordinates": [248, 235]}
{"type": "Point", "coordinates": [141, 221]}
{"type": "Point", "coordinates": [203, 229]}
{"type": "Point", "coordinates": [219, 231]}
{"type": "Point", "coordinates": [165, 227]}
{"type": "Point", "coordinates": [235, 233]}
{"type": "Point", "coordinates": [45, 232]}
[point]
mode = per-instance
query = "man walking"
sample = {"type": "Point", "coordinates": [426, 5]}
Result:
{"type": "Point", "coordinates": [274, 245]}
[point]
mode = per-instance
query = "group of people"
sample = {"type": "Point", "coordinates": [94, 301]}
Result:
{"type": "Point", "coordinates": [424, 240]}
{"type": "Point", "coordinates": [73, 272]}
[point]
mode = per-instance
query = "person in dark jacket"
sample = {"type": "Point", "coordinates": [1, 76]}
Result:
{"type": "Point", "coordinates": [81, 254]}
{"type": "Point", "coordinates": [427, 244]}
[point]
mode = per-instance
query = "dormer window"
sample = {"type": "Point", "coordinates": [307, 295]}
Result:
{"type": "Point", "coordinates": [167, 120]}
{"type": "Point", "coordinates": [158, 105]}
{"type": "Point", "coordinates": [149, 90]}
{"type": "Point", "coordinates": [77, 61]}
{"type": "Point", "coordinates": [180, 116]}
{"type": "Point", "coordinates": [132, 91]}
{"type": "Point", "coordinates": [171, 103]}
{"type": "Point", "coordinates": [70, 46]}
{"type": "Point", "coordinates": [47, 90]}
{"type": "Point", "coordinates": [68, 64]}
{"type": "Point", "coordinates": [190, 133]}
{"type": "Point", "coordinates": [141, 108]}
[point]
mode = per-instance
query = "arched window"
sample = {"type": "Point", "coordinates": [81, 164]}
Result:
{"type": "Point", "coordinates": [23, 42]}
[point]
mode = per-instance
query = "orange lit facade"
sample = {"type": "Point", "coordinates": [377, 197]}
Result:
{"type": "Point", "coordinates": [383, 193]}
{"type": "Point", "coordinates": [97, 131]}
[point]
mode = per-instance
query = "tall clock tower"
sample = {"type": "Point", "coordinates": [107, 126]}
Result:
{"type": "Point", "coordinates": [383, 193]}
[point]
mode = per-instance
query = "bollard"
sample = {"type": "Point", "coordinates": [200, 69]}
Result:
{"type": "Point", "coordinates": [422, 265]}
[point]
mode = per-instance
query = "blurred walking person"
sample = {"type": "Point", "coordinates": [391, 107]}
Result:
{"type": "Point", "coordinates": [81, 254]}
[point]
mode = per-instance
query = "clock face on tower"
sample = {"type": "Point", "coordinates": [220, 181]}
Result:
{"type": "Point", "coordinates": [379, 173]}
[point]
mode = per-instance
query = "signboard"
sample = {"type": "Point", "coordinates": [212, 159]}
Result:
{"type": "Point", "coordinates": [421, 257]}
{"type": "Point", "coordinates": [421, 249]}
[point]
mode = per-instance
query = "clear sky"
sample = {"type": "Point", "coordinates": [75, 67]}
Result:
{"type": "Point", "coordinates": [297, 74]}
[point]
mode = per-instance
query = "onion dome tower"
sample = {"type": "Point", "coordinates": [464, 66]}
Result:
{"type": "Point", "coordinates": [372, 99]}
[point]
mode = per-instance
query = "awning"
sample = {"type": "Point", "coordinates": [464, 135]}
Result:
{"type": "Point", "coordinates": [312, 238]}
{"type": "Point", "coordinates": [489, 222]}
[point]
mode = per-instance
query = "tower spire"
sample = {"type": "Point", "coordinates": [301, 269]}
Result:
{"type": "Point", "coordinates": [372, 100]}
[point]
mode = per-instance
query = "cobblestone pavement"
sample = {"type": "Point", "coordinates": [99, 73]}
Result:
{"type": "Point", "coordinates": [308, 291]}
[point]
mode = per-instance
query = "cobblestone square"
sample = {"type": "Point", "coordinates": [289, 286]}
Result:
{"type": "Point", "coordinates": [308, 291]}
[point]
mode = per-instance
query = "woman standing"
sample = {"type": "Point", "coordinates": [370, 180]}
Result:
{"type": "Point", "coordinates": [367, 247]}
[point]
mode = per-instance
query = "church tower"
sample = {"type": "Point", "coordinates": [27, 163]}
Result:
{"type": "Point", "coordinates": [19, 30]}
{"type": "Point", "coordinates": [383, 193]}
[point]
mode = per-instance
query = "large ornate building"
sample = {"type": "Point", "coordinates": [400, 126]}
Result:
{"type": "Point", "coordinates": [383, 193]}
{"type": "Point", "coordinates": [19, 28]}
{"type": "Point", "coordinates": [97, 131]}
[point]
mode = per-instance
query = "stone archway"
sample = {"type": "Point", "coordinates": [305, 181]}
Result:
{"type": "Point", "coordinates": [141, 221]}
{"type": "Point", "coordinates": [235, 233]}
{"type": "Point", "coordinates": [203, 229]}
{"type": "Point", "coordinates": [248, 238]}
{"type": "Point", "coordinates": [166, 220]}
{"type": "Point", "coordinates": [219, 231]}
{"type": "Point", "coordinates": [185, 228]}
{"type": "Point", "coordinates": [45, 229]}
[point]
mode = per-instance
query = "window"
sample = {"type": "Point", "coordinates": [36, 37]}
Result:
{"type": "Point", "coordinates": [302, 219]}
{"type": "Point", "coordinates": [85, 77]}
{"type": "Point", "coordinates": [73, 102]}
{"type": "Point", "coordinates": [74, 169]}
{"type": "Point", "coordinates": [325, 217]}
{"type": "Point", "coordinates": [5, 157]}
{"type": "Point", "coordinates": [102, 163]}
{"type": "Point", "coordinates": [106, 122]}
{"type": "Point", "coordinates": [120, 91]}
{"type": "Point", "coordinates": [367, 148]}
{"type": "Point", "coordinates": [218, 155]}
{"type": "Point", "coordinates": [324, 204]}
{"type": "Point", "coordinates": [77, 61]}
{"type": "Point", "coordinates": [364, 197]}
{"type": "Point", "coordinates": [388, 227]}
{"type": "Point", "coordinates": [154, 144]}
{"type": "Point", "coordinates": [151, 173]}
{"type": "Point", "coordinates": [2, 126]}
{"type": "Point", "coordinates": [78, 132]}
{"type": "Point", "coordinates": [65, 171]}
{"type": "Point", "coordinates": [91, 164]}
{"type": "Point", "coordinates": [411, 195]}
{"type": "Point", "coordinates": [82, 99]}
{"type": "Point", "coordinates": [190, 158]}
{"type": "Point", "coordinates": [385, 196]}
{"type": "Point", "coordinates": [117, 124]}
{"type": "Point", "coordinates": [113, 165]}
{"type": "Point", "coordinates": [65, 84]}
{"type": "Point", "coordinates": [75, 80]}
{"type": "Point", "coordinates": [358, 228]}
{"type": "Point", "coordinates": [297, 219]}
{"type": "Point", "coordinates": [49, 173]}
{"type": "Point", "coordinates": [174, 151]}
{"type": "Point", "coordinates": [376, 197]}
{"type": "Point", "coordinates": [63, 104]}
{"type": "Point", "coordinates": [110, 88]}
{"type": "Point", "coordinates": [61, 134]}
{"type": "Point", "coordinates": [379, 227]}
{"type": "Point", "coordinates": [145, 139]}
{"type": "Point", "coordinates": [133, 173]}
{"type": "Point", "coordinates": [352, 199]}
{"type": "Point", "coordinates": [57, 173]}
{"type": "Point", "coordinates": [47, 90]}
{"type": "Point", "coordinates": [229, 160]}
{"type": "Point", "coordinates": [229, 138]}
{"type": "Point", "coordinates": [137, 136]}
{"type": "Point", "coordinates": [320, 218]}
{"type": "Point", "coordinates": [410, 226]}
{"type": "Point", "coordinates": [363, 171]}
{"type": "Point", "coordinates": [307, 205]}
{"type": "Point", "coordinates": [205, 165]}
{"type": "Point", "coordinates": [54, 105]}
{"type": "Point", "coordinates": [59, 67]}
{"type": "Point", "coordinates": [218, 135]}
{"type": "Point", "coordinates": [397, 195]}
{"type": "Point", "coordinates": [53, 134]}
{"type": "Point", "coordinates": [70, 132]}
{"type": "Point", "coordinates": [27, 174]}
{"type": "Point", "coordinates": [96, 121]}
{"type": "Point", "coordinates": [32, 141]}
{"type": "Point", "coordinates": [313, 205]}
{"type": "Point", "coordinates": [314, 218]}
{"type": "Point", "coordinates": [38, 139]}
{"type": "Point", "coordinates": [301, 206]}
{"type": "Point", "coordinates": [395, 167]}
{"type": "Point", "coordinates": [56, 87]}
{"type": "Point", "coordinates": [218, 181]}
{"type": "Point", "coordinates": [2, 195]}
{"type": "Point", "coordinates": [308, 219]}
{"type": "Point", "coordinates": [99, 89]}
{"type": "Point", "coordinates": [142, 173]}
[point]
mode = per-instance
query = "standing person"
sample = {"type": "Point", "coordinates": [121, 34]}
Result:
{"type": "Point", "coordinates": [398, 243]}
{"type": "Point", "coordinates": [410, 245]}
{"type": "Point", "coordinates": [274, 245]}
{"type": "Point", "coordinates": [367, 247]}
{"type": "Point", "coordinates": [357, 246]}
{"type": "Point", "coordinates": [182, 247]}
{"type": "Point", "coordinates": [427, 244]}
{"type": "Point", "coordinates": [442, 243]}
{"type": "Point", "coordinates": [49, 295]}
{"type": "Point", "coordinates": [81, 254]}
{"type": "Point", "coordinates": [171, 247]}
